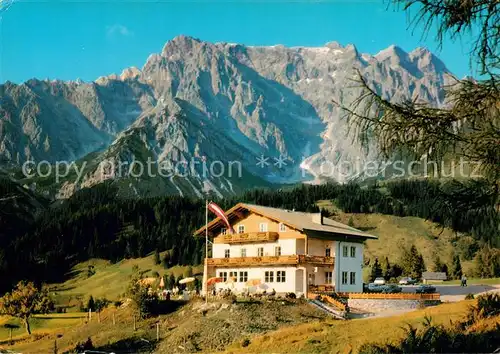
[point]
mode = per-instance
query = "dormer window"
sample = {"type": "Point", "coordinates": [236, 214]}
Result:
{"type": "Point", "coordinates": [282, 227]}
{"type": "Point", "coordinates": [223, 231]}
{"type": "Point", "coordinates": [241, 229]}
{"type": "Point", "coordinates": [263, 227]}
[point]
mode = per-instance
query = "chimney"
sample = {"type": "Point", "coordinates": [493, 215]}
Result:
{"type": "Point", "coordinates": [317, 218]}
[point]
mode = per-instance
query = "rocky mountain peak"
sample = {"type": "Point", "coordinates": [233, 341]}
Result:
{"type": "Point", "coordinates": [334, 45]}
{"type": "Point", "coordinates": [180, 45]}
{"type": "Point", "coordinates": [237, 103]}
{"type": "Point", "coordinates": [392, 52]}
{"type": "Point", "coordinates": [426, 60]}
{"type": "Point", "coordinates": [130, 73]}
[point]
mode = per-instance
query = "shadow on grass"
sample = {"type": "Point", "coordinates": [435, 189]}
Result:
{"type": "Point", "coordinates": [366, 228]}
{"type": "Point", "coordinates": [129, 345]}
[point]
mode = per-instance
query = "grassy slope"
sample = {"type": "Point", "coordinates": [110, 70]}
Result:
{"type": "Point", "coordinates": [341, 337]}
{"type": "Point", "coordinates": [70, 333]}
{"type": "Point", "coordinates": [109, 281]}
{"type": "Point", "coordinates": [394, 233]}
{"type": "Point", "coordinates": [39, 323]}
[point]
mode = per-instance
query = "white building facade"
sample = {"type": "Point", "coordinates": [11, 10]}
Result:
{"type": "Point", "coordinates": [284, 251]}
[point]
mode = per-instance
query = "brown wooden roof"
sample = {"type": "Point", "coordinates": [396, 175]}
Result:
{"type": "Point", "coordinates": [297, 220]}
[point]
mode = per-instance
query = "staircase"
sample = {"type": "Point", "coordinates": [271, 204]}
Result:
{"type": "Point", "coordinates": [340, 315]}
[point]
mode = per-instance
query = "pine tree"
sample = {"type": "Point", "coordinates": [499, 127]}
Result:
{"type": "Point", "coordinates": [91, 303]}
{"type": "Point", "coordinates": [171, 281]}
{"type": "Point", "coordinates": [157, 257]}
{"type": "Point", "coordinates": [376, 271]}
{"type": "Point", "coordinates": [166, 260]}
{"type": "Point", "coordinates": [412, 263]}
{"type": "Point", "coordinates": [456, 267]}
{"type": "Point", "coordinates": [386, 269]}
{"type": "Point", "coordinates": [438, 265]}
{"type": "Point", "coordinates": [419, 267]}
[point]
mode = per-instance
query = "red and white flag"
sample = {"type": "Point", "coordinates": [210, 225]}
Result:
{"type": "Point", "coordinates": [217, 210]}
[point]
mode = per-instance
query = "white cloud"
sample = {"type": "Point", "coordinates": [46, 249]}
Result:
{"type": "Point", "coordinates": [118, 30]}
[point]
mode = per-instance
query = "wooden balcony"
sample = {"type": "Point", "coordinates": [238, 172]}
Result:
{"type": "Point", "coordinates": [250, 237]}
{"type": "Point", "coordinates": [322, 288]}
{"type": "Point", "coordinates": [316, 260]}
{"type": "Point", "coordinates": [271, 260]}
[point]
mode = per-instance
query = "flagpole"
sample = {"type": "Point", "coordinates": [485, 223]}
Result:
{"type": "Point", "coordinates": [206, 250]}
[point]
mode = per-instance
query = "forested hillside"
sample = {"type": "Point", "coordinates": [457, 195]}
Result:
{"type": "Point", "coordinates": [95, 223]}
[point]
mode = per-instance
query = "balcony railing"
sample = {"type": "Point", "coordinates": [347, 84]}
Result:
{"type": "Point", "coordinates": [316, 260]}
{"type": "Point", "coordinates": [249, 237]}
{"type": "Point", "coordinates": [271, 260]}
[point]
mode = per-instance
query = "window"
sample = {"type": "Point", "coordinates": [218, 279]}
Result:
{"type": "Point", "coordinates": [223, 275]}
{"type": "Point", "coordinates": [353, 252]}
{"type": "Point", "coordinates": [344, 278]}
{"type": "Point", "coordinates": [223, 231]}
{"type": "Point", "coordinates": [243, 252]}
{"type": "Point", "coordinates": [280, 276]}
{"type": "Point", "coordinates": [269, 277]}
{"type": "Point", "coordinates": [344, 251]}
{"type": "Point", "coordinates": [260, 252]}
{"type": "Point", "coordinates": [328, 252]}
{"type": "Point", "coordinates": [241, 229]}
{"type": "Point", "coordinates": [277, 251]}
{"type": "Point", "coordinates": [353, 278]}
{"type": "Point", "coordinates": [263, 227]}
{"type": "Point", "coordinates": [243, 277]}
{"type": "Point", "coordinates": [227, 253]}
{"type": "Point", "coordinates": [328, 277]}
{"type": "Point", "coordinates": [282, 227]}
{"type": "Point", "coordinates": [233, 275]}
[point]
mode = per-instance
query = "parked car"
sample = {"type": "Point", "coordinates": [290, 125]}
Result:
{"type": "Point", "coordinates": [379, 281]}
{"type": "Point", "coordinates": [391, 289]}
{"type": "Point", "coordinates": [375, 288]}
{"type": "Point", "coordinates": [407, 281]}
{"type": "Point", "coordinates": [425, 289]}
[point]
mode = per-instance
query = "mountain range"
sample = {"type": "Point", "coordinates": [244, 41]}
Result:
{"type": "Point", "coordinates": [218, 117]}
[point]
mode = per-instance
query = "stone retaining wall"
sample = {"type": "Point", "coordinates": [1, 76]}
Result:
{"type": "Point", "coordinates": [383, 305]}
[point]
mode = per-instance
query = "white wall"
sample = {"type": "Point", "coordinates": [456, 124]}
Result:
{"type": "Point", "coordinates": [294, 246]}
{"type": "Point", "coordinates": [349, 264]}
{"type": "Point", "coordinates": [317, 247]}
{"type": "Point", "coordinates": [288, 247]}
{"type": "Point", "coordinates": [259, 273]}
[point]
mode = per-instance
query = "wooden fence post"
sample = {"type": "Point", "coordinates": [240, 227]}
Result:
{"type": "Point", "coordinates": [114, 321]}
{"type": "Point", "coordinates": [135, 325]}
{"type": "Point", "coordinates": [10, 335]}
{"type": "Point", "coordinates": [157, 331]}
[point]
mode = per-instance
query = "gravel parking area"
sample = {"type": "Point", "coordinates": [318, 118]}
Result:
{"type": "Point", "coordinates": [456, 292]}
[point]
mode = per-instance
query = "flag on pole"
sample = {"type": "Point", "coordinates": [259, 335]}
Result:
{"type": "Point", "coordinates": [217, 210]}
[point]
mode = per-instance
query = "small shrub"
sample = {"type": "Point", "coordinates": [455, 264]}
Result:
{"type": "Point", "coordinates": [313, 341]}
{"type": "Point", "coordinates": [245, 343]}
{"type": "Point", "coordinates": [291, 296]}
{"type": "Point", "coordinates": [82, 347]}
{"type": "Point", "coordinates": [469, 297]}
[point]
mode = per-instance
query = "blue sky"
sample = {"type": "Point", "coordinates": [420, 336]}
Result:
{"type": "Point", "coordinates": [87, 39]}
